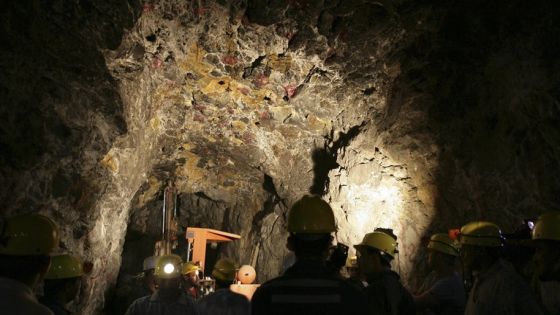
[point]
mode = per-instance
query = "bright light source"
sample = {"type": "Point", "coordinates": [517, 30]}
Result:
{"type": "Point", "coordinates": [168, 268]}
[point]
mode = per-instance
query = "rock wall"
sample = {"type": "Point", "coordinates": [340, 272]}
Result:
{"type": "Point", "coordinates": [61, 113]}
{"type": "Point", "coordinates": [415, 115]}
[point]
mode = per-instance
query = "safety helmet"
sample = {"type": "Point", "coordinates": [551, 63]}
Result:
{"type": "Point", "coordinates": [547, 227]}
{"type": "Point", "coordinates": [224, 270]}
{"type": "Point", "coordinates": [149, 263]}
{"type": "Point", "coordinates": [190, 267]}
{"type": "Point", "coordinates": [28, 234]}
{"type": "Point", "coordinates": [442, 243]}
{"type": "Point", "coordinates": [64, 267]}
{"type": "Point", "coordinates": [352, 262]}
{"type": "Point", "coordinates": [168, 266]}
{"type": "Point", "coordinates": [246, 274]}
{"type": "Point", "coordinates": [311, 215]}
{"type": "Point", "coordinates": [481, 233]}
{"type": "Point", "coordinates": [380, 241]}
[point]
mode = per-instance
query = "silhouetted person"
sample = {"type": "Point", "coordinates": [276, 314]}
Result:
{"type": "Point", "coordinates": [353, 275]}
{"type": "Point", "coordinates": [446, 294]}
{"type": "Point", "coordinates": [337, 258]}
{"type": "Point", "coordinates": [497, 289]}
{"type": "Point", "coordinates": [519, 250]}
{"type": "Point", "coordinates": [147, 276]}
{"type": "Point", "coordinates": [546, 237]}
{"type": "Point", "coordinates": [25, 245]}
{"type": "Point", "coordinates": [62, 283]}
{"type": "Point", "coordinates": [143, 284]}
{"type": "Point", "coordinates": [309, 287]}
{"type": "Point", "coordinates": [169, 298]}
{"type": "Point", "coordinates": [223, 301]}
{"type": "Point", "coordinates": [385, 292]}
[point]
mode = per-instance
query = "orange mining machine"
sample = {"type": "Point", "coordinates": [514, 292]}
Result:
{"type": "Point", "coordinates": [197, 240]}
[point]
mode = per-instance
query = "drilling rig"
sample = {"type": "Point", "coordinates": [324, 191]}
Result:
{"type": "Point", "coordinates": [169, 228]}
{"type": "Point", "coordinates": [197, 240]}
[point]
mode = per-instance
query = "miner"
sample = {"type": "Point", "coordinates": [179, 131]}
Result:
{"type": "Point", "coordinates": [497, 289]}
{"type": "Point", "coordinates": [546, 238]}
{"type": "Point", "coordinates": [62, 283]}
{"type": "Point", "coordinates": [223, 301]}
{"type": "Point", "coordinates": [309, 287]}
{"type": "Point", "coordinates": [385, 292]}
{"type": "Point", "coordinates": [443, 291]}
{"type": "Point", "coordinates": [191, 279]}
{"type": "Point", "coordinates": [169, 298]}
{"type": "Point", "coordinates": [26, 241]}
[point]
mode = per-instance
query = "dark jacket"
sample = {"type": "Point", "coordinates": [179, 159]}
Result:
{"type": "Point", "coordinates": [308, 288]}
{"type": "Point", "coordinates": [500, 291]}
{"type": "Point", "coordinates": [54, 306]}
{"type": "Point", "coordinates": [153, 305]}
{"type": "Point", "coordinates": [223, 302]}
{"type": "Point", "coordinates": [387, 295]}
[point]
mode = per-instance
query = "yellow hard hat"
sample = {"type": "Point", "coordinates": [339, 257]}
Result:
{"type": "Point", "coordinates": [442, 243]}
{"type": "Point", "coordinates": [224, 270]}
{"type": "Point", "coordinates": [481, 233]}
{"type": "Point", "coordinates": [65, 266]}
{"type": "Point", "coordinates": [168, 266]}
{"type": "Point", "coordinates": [380, 241]}
{"type": "Point", "coordinates": [311, 215]}
{"type": "Point", "coordinates": [189, 267]}
{"type": "Point", "coordinates": [352, 262]}
{"type": "Point", "coordinates": [547, 227]}
{"type": "Point", "coordinates": [28, 234]}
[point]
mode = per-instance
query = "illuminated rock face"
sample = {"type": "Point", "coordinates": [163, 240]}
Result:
{"type": "Point", "coordinates": [388, 186]}
{"type": "Point", "coordinates": [411, 116]}
{"type": "Point", "coordinates": [250, 117]}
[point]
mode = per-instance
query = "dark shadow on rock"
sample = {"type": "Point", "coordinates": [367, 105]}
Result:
{"type": "Point", "coordinates": [323, 162]}
{"type": "Point", "coordinates": [270, 203]}
{"type": "Point", "coordinates": [489, 73]}
{"type": "Point", "coordinates": [325, 159]}
{"type": "Point", "coordinates": [61, 108]}
{"type": "Point", "coordinates": [54, 83]}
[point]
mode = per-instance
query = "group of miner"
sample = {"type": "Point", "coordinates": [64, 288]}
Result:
{"type": "Point", "coordinates": [471, 273]}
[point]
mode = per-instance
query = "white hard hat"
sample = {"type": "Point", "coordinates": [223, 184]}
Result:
{"type": "Point", "coordinates": [149, 263]}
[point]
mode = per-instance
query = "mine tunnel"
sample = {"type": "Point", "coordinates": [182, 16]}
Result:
{"type": "Point", "coordinates": [418, 116]}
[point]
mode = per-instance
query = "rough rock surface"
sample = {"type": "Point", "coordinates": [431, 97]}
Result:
{"type": "Point", "coordinates": [415, 115]}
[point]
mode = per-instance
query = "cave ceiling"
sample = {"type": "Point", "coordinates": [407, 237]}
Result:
{"type": "Point", "coordinates": [414, 115]}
